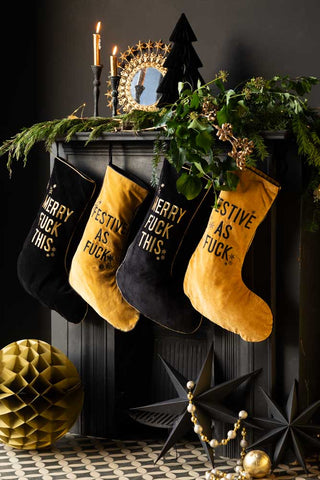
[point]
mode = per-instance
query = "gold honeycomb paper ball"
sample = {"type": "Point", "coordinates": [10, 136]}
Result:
{"type": "Point", "coordinates": [257, 463]}
{"type": "Point", "coordinates": [41, 394]}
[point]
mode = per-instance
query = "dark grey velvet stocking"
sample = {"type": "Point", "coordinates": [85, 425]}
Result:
{"type": "Point", "coordinates": [150, 277]}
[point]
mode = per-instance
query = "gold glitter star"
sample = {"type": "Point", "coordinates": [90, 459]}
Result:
{"type": "Point", "coordinates": [140, 46]}
{"type": "Point", "coordinates": [149, 45]}
{"type": "Point", "coordinates": [130, 51]}
{"type": "Point", "coordinates": [166, 48]}
{"type": "Point", "coordinates": [159, 44]}
{"type": "Point", "coordinates": [123, 57]}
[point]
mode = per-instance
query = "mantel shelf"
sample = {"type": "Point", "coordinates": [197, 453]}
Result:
{"type": "Point", "coordinates": [120, 136]}
{"type": "Point", "coordinates": [151, 135]}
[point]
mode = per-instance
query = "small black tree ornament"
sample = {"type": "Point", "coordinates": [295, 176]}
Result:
{"type": "Point", "coordinates": [182, 63]}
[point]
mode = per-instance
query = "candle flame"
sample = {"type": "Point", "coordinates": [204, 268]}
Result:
{"type": "Point", "coordinates": [98, 27]}
{"type": "Point", "coordinates": [114, 51]}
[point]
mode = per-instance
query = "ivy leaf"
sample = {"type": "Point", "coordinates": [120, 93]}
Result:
{"type": "Point", "coordinates": [214, 168]}
{"type": "Point", "coordinates": [222, 115]}
{"type": "Point", "coordinates": [219, 83]}
{"type": "Point", "coordinates": [204, 140]}
{"type": "Point", "coordinates": [229, 95]}
{"type": "Point", "coordinates": [195, 101]}
{"type": "Point", "coordinates": [164, 118]}
{"type": "Point", "coordinates": [182, 131]}
{"type": "Point", "coordinates": [242, 107]}
{"type": "Point", "coordinates": [189, 185]}
{"type": "Point", "coordinates": [199, 167]}
{"type": "Point", "coordinates": [186, 93]}
{"type": "Point", "coordinates": [180, 87]}
{"type": "Point", "coordinates": [195, 124]}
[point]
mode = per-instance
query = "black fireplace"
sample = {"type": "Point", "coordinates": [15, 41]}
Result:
{"type": "Point", "coordinates": [124, 370]}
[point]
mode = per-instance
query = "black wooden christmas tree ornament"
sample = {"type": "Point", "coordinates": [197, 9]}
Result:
{"type": "Point", "coordinates": [182, 63]}
{"type": "Point", "coordinates": [207, 398]}
{"type": "Point", "coordinates": [288, 429]}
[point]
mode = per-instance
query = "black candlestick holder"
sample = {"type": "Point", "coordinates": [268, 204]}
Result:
{"type": "Point", "coordinates": [115, 79]}
{"type": "Point", "coordinates": [96, 70]}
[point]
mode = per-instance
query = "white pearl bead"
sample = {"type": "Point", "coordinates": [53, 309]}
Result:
{"type": "Point", "coordinates": [191, 408]}
{"type": "Point", "coordinates": [238, 469]}
{"type": "Point", "coordinates": [198, 429]}
{"type": "Point", "coordinates": [190, 385]}
{"type": "Point", "coordinates": [208, 476]}
{"type": "Point", "coordinates": [243, 443]}
{"type": "Point", "coordinates": [214, 471]}
{"type": "Point", "coordinates": [213, 443]}
{"type": "Point", "coordinates": [229, 476]}
{"type": "Point", "coordinates": [243, 414]}
{"type": "Point", "coordinates": [231, 434]}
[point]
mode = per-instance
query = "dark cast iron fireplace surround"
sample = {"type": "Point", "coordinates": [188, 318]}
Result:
{"type": "Point", "coordinates": [123, 370]}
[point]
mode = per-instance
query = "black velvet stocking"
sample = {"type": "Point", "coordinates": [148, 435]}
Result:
{"type": "Point", "coordinates": [42, 263]}
{"type": "Point", "coordinates": [147, 277]}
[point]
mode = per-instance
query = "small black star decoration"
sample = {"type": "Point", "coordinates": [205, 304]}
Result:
{"type": "Point", "coordinates": [208, 400]}
{"type": "Point", "coordinates": [289, 429]}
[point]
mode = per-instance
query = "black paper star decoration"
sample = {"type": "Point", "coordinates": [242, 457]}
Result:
{"type": "Point", "coordinates": [288, 429]}
{"type": "Point", "coordinates": [208, 400]}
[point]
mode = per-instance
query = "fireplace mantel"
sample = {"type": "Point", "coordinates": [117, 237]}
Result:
{"type": "Point", "coordinates": [122, 370]}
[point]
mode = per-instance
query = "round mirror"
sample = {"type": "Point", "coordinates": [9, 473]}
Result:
{"type": "Point", "coordinates": [141, 71]}
{"type": "Point", "coordinates": [144, 86]}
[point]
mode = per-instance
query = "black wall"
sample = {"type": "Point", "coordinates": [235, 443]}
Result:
{"type": "Point", "coordinates": [46, 49]}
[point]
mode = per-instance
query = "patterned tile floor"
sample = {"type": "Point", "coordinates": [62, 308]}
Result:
{"type": "Point", "coordinates": [84, 458]}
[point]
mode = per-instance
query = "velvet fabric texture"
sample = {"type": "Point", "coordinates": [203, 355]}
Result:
{"type": "Point", "coordinates": [42, 265]}
{"type": "Point", "coordinates": [213, 279]}
{"type": "Point", "coordinates": [147, 277]}
{"type": "Point", "coordinates": [102, 247]}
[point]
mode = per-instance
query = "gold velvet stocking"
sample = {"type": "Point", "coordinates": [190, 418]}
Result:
{"type": "Point", "coordinates": [213, 279]}
{"type": "Point", "coordinates": [102, 247]}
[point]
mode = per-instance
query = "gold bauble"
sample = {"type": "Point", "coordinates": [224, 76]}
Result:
{"type": "Point", "coordinates": [41, 394]}
{"type": "Point", "coordinates": [257, 463]}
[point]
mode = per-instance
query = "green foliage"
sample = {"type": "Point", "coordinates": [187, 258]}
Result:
{"type": "Point", "coordinates": [19, 146]}
{"type": "Point", "coordinates": [207, 133]}
{"type": "Point", "coordinates": [189, 185]}
{"type": "Point", "coordinates": [193, 123]}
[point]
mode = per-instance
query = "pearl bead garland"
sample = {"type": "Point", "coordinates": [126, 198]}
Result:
{"type": "Point", "coordinates": [216, 474]}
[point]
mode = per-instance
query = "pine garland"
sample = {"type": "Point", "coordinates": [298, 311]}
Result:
{"type": "Point", "coordinates": [213, 130]}
{"type": "Point", "coordinates": [18, 147]}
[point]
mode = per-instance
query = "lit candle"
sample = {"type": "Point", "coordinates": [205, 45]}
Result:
{"type": "Point", "coordinates": [96, 45]}
{"type": "Point", "coordinates": [114, 62]}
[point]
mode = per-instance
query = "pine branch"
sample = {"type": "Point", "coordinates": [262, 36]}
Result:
{"type": "Point", "coordinates": [260, 146]}
{"type": "Point", "coordinates": [308, 141]}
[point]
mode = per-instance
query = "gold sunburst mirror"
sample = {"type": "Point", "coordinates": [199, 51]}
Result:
{"type": "Point", "coordinates": [141, 71]}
